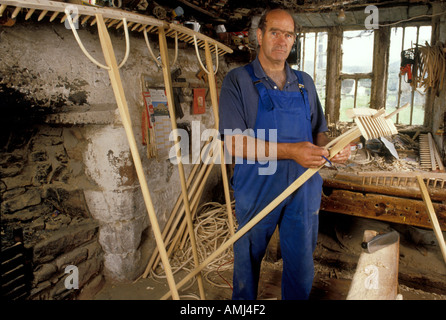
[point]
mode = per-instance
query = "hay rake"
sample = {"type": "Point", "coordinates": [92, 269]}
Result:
{"type": "Point", "coordinates": [106, 18]}
{"type": "Point", "coordinates": [56, 11]}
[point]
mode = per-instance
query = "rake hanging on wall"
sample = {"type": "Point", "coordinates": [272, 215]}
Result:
{"type": "Point", "coordinates": [107, 18]}
{"type": "Point", "coordinates": [56, 11]}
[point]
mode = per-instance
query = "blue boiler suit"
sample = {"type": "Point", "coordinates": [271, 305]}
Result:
{"type": "Point", "coordinates": [297, 216]}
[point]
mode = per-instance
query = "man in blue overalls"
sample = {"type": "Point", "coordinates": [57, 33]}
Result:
{"type": "Point", "coordinates": [268, 97]}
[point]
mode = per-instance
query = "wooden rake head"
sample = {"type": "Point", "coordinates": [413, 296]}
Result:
{"type": "Point", "coordinates": [374, 123]}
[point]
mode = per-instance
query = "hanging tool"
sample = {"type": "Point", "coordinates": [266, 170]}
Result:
{"type": "Point", "coordinates": [177, 94]}
{"type": "Point", "coordinates": [407, 63]}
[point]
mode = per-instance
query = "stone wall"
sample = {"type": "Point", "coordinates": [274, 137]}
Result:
{"type": "Point", "coordinates": [43, 202]}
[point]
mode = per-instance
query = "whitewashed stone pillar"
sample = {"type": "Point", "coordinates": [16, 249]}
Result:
{"type": "Point", "coordinates": [117, 203]}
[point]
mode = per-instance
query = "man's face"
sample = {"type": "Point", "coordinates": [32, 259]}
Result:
{"type": "Point", "coordinates": [277, 40]}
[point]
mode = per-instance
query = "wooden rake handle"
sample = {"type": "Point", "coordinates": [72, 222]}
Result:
{"type": "Point", "coordinates": [433, 217]}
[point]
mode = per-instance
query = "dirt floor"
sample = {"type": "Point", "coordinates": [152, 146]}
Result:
{"type": "Point", "coordinates": [422, 271]}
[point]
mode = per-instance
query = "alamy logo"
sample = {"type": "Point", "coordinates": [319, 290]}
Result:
{"type": "Point", "coordinates": [372, 20]}
{"type": "Point", "coordinates": [72, 13]}
{"type": "Point", "coordinates": [189, 147]}
{"type": "Point", "coordinates": [72, 280]}
{"type": "Point", "coordinates": [372, 279]}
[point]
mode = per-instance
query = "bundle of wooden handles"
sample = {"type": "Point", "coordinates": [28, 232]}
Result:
{"type": "Point", "coordinates": [431, 68]}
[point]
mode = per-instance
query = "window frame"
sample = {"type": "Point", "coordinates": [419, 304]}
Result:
{"type": "Point", "coordinates": [301, 38]}
{"type": "Point", "coordinates": [357, 76]}
{"type": "Point", "coordinates": [400, 77]}
{"type": "Point", "coordinates": [332, 108]}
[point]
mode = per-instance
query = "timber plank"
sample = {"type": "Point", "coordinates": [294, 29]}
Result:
{"type": "Point", "coordinates": [410, 190]}
{"type": "Point", "coordinates": [382, 207]}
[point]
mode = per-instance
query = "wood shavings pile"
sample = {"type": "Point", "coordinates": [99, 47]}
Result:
{"type": "Point", "coordinates": [368, 160]}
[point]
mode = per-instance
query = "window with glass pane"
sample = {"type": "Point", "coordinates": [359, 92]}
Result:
{"type": "Point", "coordinates": [314, 60]}
{"type": "Point", "coordinates": [399, 90]}
{"type": "Point", "coordinates": [357, 63]}
{"type": "Point", "coordinates": [357, 51]}
{"type": "Point", "coordinates": [355, 93]}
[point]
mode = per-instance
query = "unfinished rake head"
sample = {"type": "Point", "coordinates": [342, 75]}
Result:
{"type": "Point", "coordinates": [373, 123]}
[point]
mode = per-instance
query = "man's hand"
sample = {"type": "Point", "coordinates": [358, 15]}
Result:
{"type": "Point", "coordinates": [342, 156]}
{"type": "Point", "coordinates": [306, 154]}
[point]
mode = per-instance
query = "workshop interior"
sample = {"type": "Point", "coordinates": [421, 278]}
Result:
{"type": "Point", "coordinates": [114, 183]}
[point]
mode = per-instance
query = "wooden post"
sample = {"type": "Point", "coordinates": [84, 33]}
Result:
{"type": "Point", "coordinates": [170, 103]}
{"type": "Point", "coordinates": [376, 276]}
{"type": "Point", "coordinates": [214, 99]}
{"type": "Point", "coordinates": [118, 90]}
{"type": "Point", "coordinates": [334, 64]}
{"type": "Point", "coordinates": [380, 62]}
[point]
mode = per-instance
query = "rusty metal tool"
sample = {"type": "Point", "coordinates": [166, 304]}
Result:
{"type": "Point", "coordinates": [380, 241]}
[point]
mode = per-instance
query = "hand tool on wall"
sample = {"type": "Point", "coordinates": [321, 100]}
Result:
{"type": "Point", "coordinates": [407, 63]}
{"type": "Point", "coordinates": [177, 94]}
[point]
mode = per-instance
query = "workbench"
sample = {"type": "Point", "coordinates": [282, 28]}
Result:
{"type": "Point", "coordinates": [386, 196]}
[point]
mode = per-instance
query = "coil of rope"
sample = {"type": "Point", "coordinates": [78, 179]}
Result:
{"type": "Point", "coordinates": [211, 228]}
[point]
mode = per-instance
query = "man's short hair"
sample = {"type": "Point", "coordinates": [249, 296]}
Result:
{"type": "Point", "coordinates": [262, 21]}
